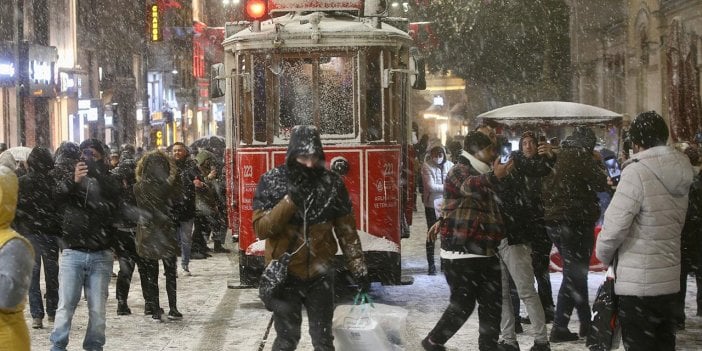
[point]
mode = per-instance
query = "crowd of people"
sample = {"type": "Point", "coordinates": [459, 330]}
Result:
{"type": "Point", "coordinates": [497, 221]}
{"type": "Point", "coordinates": [91, 204]}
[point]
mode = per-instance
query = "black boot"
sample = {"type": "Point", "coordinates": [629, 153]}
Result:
{"type": "Point", "coordinates": [430, 258]}
{"type": "Point", "coordinates": [218, 248]}
{"type": "Point", "coordinates": [123, 309]}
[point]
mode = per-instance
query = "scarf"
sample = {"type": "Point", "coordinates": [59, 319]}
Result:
{"type": "Point", "coordinates": [480, 166]}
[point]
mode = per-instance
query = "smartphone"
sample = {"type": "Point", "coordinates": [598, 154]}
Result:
{"type": "Point", "coordinates": [542, 139]}
{"type": "Point", "coordinates": [613, 169]}
{"type": "Point", "coordinates": [505, 152]}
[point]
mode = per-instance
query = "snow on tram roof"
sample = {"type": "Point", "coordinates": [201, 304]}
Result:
{"type": "Point", "coordinates": [295, 30]}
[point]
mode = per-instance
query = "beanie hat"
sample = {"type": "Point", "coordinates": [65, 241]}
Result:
{"type": "Point", "coordinates": [95, 144]}
{"type": "Point", "coordinates": [648, 129]}
{"type": "Point", "coordinates": [476, 141]}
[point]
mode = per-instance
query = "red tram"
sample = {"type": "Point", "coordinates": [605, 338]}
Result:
{"type": "Point", "coordinates": [326, 63]}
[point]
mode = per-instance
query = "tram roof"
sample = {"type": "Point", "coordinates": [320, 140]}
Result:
{"type": "Point", "coordinates": [295, 30]}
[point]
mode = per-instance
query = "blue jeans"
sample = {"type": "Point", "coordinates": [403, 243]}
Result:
{"type": "Point", "coordinates": [184, 230]}
{"type": "Point", "coordinates": [574, 241]}
{"type": "Point", "coordinates": [78, 271]}
{"type": "Point", "coordinates": [46, 249]}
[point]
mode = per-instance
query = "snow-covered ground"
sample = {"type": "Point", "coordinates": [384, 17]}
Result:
{"type": "Point", "coordinates": [218, 318]}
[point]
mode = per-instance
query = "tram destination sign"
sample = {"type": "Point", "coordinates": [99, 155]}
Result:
{"type": "Point", "coordinates": [301, 5]}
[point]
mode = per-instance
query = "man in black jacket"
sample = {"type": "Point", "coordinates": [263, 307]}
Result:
{"type": "Point", "coordinates": [86, 262]}
{"type": "Point", "coordinates": [189, 180]}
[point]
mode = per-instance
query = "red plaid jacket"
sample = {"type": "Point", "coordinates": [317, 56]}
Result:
{"type": "Point", "coordinates": [472, 221]}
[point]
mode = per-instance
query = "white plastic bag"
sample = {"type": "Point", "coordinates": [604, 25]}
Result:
{"type": "Point", "coordinates": [369, 327]}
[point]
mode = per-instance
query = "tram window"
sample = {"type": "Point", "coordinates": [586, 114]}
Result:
{"type": "Point", "coordinates": [374, 110]}
{"type": "Point", "coordinates": [297, 101]}
{"type": "Point", "coordinates": [336, 95]}
{"type": "Point", "coordinates": [259, 106]}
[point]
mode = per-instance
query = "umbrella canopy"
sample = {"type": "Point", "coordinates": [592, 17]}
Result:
{"type": "Point", "coordinates": [549, 112]}
{"type": "Point", "coordinates": [214, 144]}
{"type": "Point", "coordinates": [20, 153]}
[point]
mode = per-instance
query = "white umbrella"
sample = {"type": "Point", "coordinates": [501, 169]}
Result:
{"type": "Point", "coordinates": [20, 153]}
{"type": "Point", "coordinates": [550, 112]}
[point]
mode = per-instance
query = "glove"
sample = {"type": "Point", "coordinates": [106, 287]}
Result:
{"type": "Point", "coordinates": [363, 283]}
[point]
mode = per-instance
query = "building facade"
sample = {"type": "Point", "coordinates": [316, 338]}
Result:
{"type": "Point", "coordinates": [631, 56]}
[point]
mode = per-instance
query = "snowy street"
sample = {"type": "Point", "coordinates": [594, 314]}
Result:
{"type": "Point", "coordinates": [218, 318]}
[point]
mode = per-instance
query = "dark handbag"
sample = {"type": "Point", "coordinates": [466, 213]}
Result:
{"type": "Point", "coordinates": [272, 280]}
{"type": "Point", "coordinates": [605, 329]}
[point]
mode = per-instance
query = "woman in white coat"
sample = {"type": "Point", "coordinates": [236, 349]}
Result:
{"type": "Point", "coordinates": [434, 171]}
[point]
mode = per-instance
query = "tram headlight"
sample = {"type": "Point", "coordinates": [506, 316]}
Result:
{"type": "Point", "coordinates": [256, 9]}
{"type": "Point", "coordinates": [339, 165]}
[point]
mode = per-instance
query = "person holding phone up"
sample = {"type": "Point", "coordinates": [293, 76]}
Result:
{"type": "Point", "coordinates": [523, 214]}
{"type": "Point", "coordinates": [90, 193]}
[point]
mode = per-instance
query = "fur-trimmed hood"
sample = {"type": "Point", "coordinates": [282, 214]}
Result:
{"type": "Point", "coordinates": [156, 161]}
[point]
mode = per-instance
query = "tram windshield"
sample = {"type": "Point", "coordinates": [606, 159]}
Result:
{"type": "Point", "coordinates": [321, 90]}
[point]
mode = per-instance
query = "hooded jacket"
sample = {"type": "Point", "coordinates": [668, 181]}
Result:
{"type": "Point", "coordinates": [156, 191]}
{"type": "Point", "coordinates": [16, 262]}
{"type": "Point", "coordinates": [89, 207]}
{"type": "Point", "coordinates": [328, 215]}
{"type": "Point", "coordinates": [643, 222]}
{"type": "Point", "coordinates": [434, 175]}
{"type": "Point", "coordinates": [36, 208]}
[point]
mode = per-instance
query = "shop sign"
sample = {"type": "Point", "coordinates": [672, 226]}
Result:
{"type": "Point", "coordinates": [40, 70]}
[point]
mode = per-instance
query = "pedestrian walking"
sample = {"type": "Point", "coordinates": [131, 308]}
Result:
{"type": "Point", "coordinates": [16, 263]}
{"type": "Point", "coordinates": [89, 193]}
{"type": "Point", "coordinates": [434, 170]}
{"type": "Point", "coordinates": [642, 232]}
{"type": "Point", "coordinates": [471, 231]}
{"type": "Point", "coordinates": [156, 192]}
{"type": "Point", "coordinates": [208, 216]}
{"type": "Point", "coordinates": [37, 221]}
{"type": "Point", "coordinates": [571, 208]}
{"type": "Point", "coordinates": [302, 206]}
{"type": "Point", "coordinates": [522, 211]}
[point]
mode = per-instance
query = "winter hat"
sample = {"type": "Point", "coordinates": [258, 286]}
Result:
{"type": "Point", "coordinates": [304, 140]}
{"type": "Point", "coordinates": [128, 151]}
{"type": "Point", "coordinates": [648, 129]}
{"type": "Point", "coordinates": [95, 144]}
{"type": "Point", "coordinates": [40, 160]}
{"type": "Point", "coordinates": [66, 152]}
{"type": "Point", "coordinates": [476, 141]}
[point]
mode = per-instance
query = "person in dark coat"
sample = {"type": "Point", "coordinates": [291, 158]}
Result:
{"type": "Point", "coordinates": [89, 193]}
{"type": "Point", "coordinates": [691, 240]}
{"type": "Point", "coordinates": [36, 220]}
{"type": "Point", "coordinates": [571, 208]}
{"type": "Point", "coordinates": [208, 204]}
{"type": "Point", "coordinates": [124, 230]}
{"type": "Point", "coordinates": [301, 194]}
{"type": "Point", "coordinates": [523, 215]}
{"type": "Point", "coordinates": [156, 192]}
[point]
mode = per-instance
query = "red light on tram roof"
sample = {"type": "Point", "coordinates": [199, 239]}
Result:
{"type": "Point", "coordinates": [255, 9]}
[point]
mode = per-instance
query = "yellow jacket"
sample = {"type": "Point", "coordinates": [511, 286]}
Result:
{"type": "Point", "coordinates": [14, 334]}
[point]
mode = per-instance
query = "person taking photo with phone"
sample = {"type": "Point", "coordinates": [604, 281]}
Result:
{"type": "Point", "coordinates": [642, 233]}
{"type": "Point", "coordinates": [523, 214]}
{"type": "Point", "coordinates": [90, 193]}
